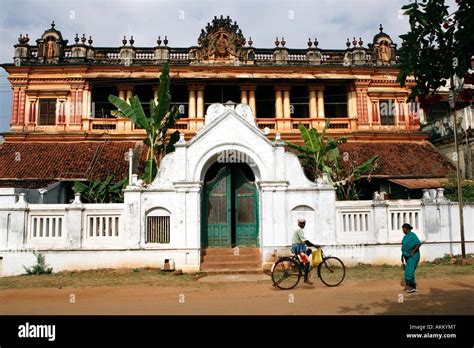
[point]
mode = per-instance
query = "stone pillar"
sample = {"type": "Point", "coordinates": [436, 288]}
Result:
{"type": "Point", "coordinates": [192, 102]}
{"type": "Point", "coordinates": [200, 102]}
{"type": "Point", "coordinates": [86, 103]}
{"type": "Point", "coordinates": [78, 106]}
{"type": "Point", "coordinates": [125, 91]}
{"type": "Point", "coordinates": [33, 102]}
{"type": "Point", "coordinates": [375, 111]}
{"type": "Point", "coordinates": [21, 107]}
{"type": "Point", "coordinates": [278, 104]}
{"type": "Point", "coordinates": [351, 103]}
{"type": "Point", "coordinates": [320, 93]}
{"type": "Point", "coordinates": [252, 101]}
{"type": "Point", "coordinates": [72, 106]}
{"type": "Point", "coordinates": [380, 221]}
{"type": "Point", "coordinates": [362, 101]}
{"type": "Point", "coordinates": [61, 110]}
{"type": "Point", "coordinates": [312, 102]}
{"type": "Point", "coordinates": [129, 93]}
{"type": "Point", "coordinates": [243, 95]}
{"type": "Point", "coordinates": [74, 222]}
{"type": "Point", "coordinates": [122, 94]}
{"type": "Point", "coordinates": [16, 225]}
{"type": "Point", "coordinates": [401, 110]}
{"type": "Point", "coordinates": [15, 102]}
{"type": "Point", "coordinates": [286, 103]}
{"type": "Point", "coordinates": [133, 224]}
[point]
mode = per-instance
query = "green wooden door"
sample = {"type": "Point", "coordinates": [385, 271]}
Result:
{"type": "Point", "coordinates": [246, 209]}
{"type": "Point", "coordinates": [229, 209]}
{"type": "Point", "coordinates": [217, 228]}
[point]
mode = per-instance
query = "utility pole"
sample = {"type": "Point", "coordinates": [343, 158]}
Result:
{"type": "Point", "coordinates": [452, 104]}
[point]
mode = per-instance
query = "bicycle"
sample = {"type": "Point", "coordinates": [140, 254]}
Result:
{"type": "Point", "coordinates": [288, 270]}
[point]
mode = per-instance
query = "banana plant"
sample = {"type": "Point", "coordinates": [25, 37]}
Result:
{"type": "Point", "coordinates": [321, 156]}
{"type": "Point", "coordinates": [162, 118]}
{"type": "Point", "coordinates": [317, 154]}
{"type": "Point", "coordinates": [102, 191]}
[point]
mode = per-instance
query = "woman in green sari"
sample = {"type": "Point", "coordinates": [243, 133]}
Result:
{"type": "Point", "coordinates": [411, 256]}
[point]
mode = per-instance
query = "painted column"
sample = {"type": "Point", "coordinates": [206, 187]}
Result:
{"type": "Point", "coordinates": [15, 101]}
{"type": "Point", "coordinates": [79, 109]}
{"type": "Point", "coordinates": [21, 107]}
{"type": "Point", "coordinates": [72, 108]}
{"type": "Point", "coordinates": [252, 101]}
{"type": "Point", "coordinates": [375, 111]}
{"type": "Point", "coordinates": [362, 101]}
{"type": "Point", "coordinates": [87, 102]}
{"type": "Point", "coordinates": [200, 102]}
{"type": "Point", "coordinates": [312, 102]}
{"type": "Point", "coordinates": [122, 94]}
{"type": "Point", "coordinates": [32, 111]}
{"type": "Point", "coordinates": [351, 103]}
{"type": "Point", "coordinates": [192, 102]}
{"type": "Point", "coordinates": [243, 95]}
{"type": "Point", "coordinates": [286, 104]}
{"type": "Point", "coordinates": [320, 102]}
{"type": "Point", "coordinates": [278, 104]}
{"type": "Point", "coordinates": [129, 93]}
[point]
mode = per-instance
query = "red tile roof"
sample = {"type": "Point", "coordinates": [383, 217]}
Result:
{"type": "Point", "coordinates": [33, 164]}
{"type": "Point", "coordinates": [416, 160]}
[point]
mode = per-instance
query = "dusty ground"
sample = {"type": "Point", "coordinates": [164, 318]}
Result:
{"type": "Point", "coordinates": [437, 295]}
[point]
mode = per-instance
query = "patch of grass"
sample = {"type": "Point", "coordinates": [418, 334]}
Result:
{"type": "Point", "coordinates": [424, 270]}
{"type": "Point", "coordinates": [153, 276]}
{"type": "Point", "coordinates": [101, 277]}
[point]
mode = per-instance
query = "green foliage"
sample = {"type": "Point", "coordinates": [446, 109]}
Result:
{"type": "Point", "coordinates": [40, 268]}
{"type": "Point", "coordinates": [321, 156]}
{"type": "Point", "coordinates": [435, 39]}
{"type": "Point", "coordinates": [451, 189]}
{"type": "Point", "coordinates": [349, 174]}
{"type": "Point", "coordinates": [162, 118]}
{"type": "Point", "coordinates": [101, 191]}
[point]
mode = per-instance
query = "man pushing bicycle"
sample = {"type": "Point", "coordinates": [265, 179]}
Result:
{"type": "Point", "coordinates": [299, 247]}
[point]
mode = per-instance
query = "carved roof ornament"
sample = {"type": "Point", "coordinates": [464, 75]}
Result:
{"type": "Point", "coordinates": [51, 46]}
{"type": "Point", "coordinates": [383, 49]}
{"type": "Point", "coordinates": [220, 42]}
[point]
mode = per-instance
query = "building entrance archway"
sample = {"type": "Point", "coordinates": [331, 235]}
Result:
{"type": "Point", "coordinates": [229, 209]}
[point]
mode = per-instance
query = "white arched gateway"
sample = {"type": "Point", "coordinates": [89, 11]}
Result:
{"type": "Point", "coordinates": [227, 187]}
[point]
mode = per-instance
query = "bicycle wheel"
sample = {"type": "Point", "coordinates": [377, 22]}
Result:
{"type": "Point", "coordinates": [331, 271]}
{"type": "Point", "coordinates": [286, 273]}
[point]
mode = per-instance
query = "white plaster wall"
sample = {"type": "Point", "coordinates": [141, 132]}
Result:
{"type": "Point", "coordinates": [13, 262]}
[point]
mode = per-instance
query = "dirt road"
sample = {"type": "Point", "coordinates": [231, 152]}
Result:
{"type": "Point", "coordinates": [436, 296]}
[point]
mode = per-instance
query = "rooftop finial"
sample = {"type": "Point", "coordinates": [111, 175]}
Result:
{"type": "Point", "coordinates": [381, 28]}
{"type": "Point", "coordinates": [52, 25]}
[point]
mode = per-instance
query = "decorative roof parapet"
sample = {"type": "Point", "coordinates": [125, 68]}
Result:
{"type": "Point", "coordinates": [220, 43]}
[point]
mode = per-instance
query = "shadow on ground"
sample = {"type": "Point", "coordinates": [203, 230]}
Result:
{"type": "Point", "coordinates": [436, 301]}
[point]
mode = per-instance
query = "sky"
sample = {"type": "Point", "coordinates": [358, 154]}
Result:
{"type": "Point", "coordinates": [330, 21]}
